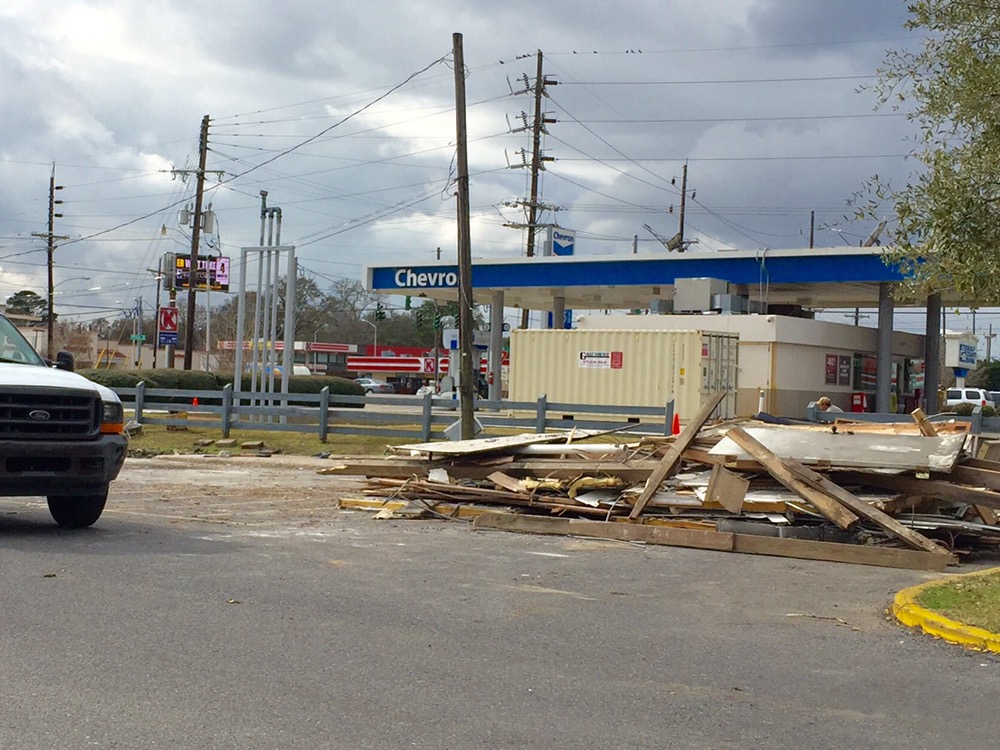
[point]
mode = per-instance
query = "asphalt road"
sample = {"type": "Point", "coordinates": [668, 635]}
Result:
{"type": "Point", "coordinates": [230, 605]}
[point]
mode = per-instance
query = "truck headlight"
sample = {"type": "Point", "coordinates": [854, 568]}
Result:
{"type": "Point", "coordinates": [113, 419]}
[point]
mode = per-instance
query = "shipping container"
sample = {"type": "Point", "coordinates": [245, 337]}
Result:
{"type": "Point", "coordinates": [624, 367]}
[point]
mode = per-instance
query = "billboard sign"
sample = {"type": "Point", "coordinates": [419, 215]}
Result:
{"type": "Point", "coordinates": [212, 273]}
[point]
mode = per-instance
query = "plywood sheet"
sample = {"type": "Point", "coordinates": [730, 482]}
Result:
{"type": "Point", "coordinates": [858, 450]}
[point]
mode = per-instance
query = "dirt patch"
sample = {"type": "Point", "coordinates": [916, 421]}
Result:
{"type": "Point", "coordinates": [235, 490]}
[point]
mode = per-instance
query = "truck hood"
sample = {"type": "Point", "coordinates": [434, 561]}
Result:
{"type": "Point", "coordinates": [49, 377]}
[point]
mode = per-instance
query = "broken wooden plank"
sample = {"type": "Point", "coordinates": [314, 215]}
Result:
{"type": "Point", "coordinates": [926, 428]}
{"type": "Point", "coordinates": [673, 455]}
{"type": "Point", "coordinates": [727, 489]}
{"type": "Point", "coordinates": [978, 477]}
{"type": "Point", "coordinates": [635, 470]}
{"type": "Point", "coordinates": [826, 505]}
{"type": "Point", "coordinates": [507, 482]}
{"type": "Point", "coordinates": [625, 532]}
{"type": "Point", "coordinates": [477, 445]}
{"type": "Point", "coordinates": [936, 488]}
{"type": "Point", "coordinates": [884, 521]}
{"type": "Point", "coordinates": [856, 554]}
{"type": "Point", "coordinates": [854, 450]}
{"type": "Point", "coordinates": [989, 450]}
{"type": "Point", "coordinates": [713, 540]}
{"type": "Point", "coordinates": [702, 456]}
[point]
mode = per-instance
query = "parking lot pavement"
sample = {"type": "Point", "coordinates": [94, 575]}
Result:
{"type": "Point", "coordinates": [229, 603]}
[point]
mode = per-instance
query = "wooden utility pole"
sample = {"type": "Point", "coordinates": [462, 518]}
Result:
{"type": "Point", "coordinates": [51, 238]}
{"type": "Point", "coordinates": [684, 191]}
{"type": "Point", "coordinates": [195, 241]}
{"type": "Point", "coordinates": [536, 154]}
{"type": "Point", "coordinates": [466, 386]}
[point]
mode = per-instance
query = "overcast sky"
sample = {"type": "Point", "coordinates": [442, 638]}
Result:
{"type": "Point", "coordinates": [344, 113]}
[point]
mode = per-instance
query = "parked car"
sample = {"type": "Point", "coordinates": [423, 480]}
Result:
{"type": "Point", "coordinates": [975, 396]}
{"type": "Point", "coordinates": [994, 396]}
{"type": "Point", "coordinates": [371, 385]}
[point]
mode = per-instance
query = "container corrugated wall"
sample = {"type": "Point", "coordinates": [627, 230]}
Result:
{"type": "Point", "coordinates": [624, 367]}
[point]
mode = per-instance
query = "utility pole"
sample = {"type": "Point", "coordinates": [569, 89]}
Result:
{"type": "Point", "coordinates": [812, 228]}
{"type": "Point", "coordinates": [536, 152]}
{"type": "Point", "coordinates": [684, 190]}
{"type": "Point", "coordinates": [465, 384]}
{"type": "Point", "coordinates": [989, 343]}
{"type": "Point", "coordinates": [537, 165]}
{"type": "Point", "coordinates": [195, 239]}
{"type": "Point", "coordinates": [51, 238]}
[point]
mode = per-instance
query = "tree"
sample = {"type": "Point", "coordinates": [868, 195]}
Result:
{"type": "Point", "coordinates": [947, 228]}
{"type": "Point", "coordinates": [26, 302]}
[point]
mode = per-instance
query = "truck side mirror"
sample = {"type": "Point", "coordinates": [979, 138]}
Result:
{"type": "Point", "coordinates": [64, 361]}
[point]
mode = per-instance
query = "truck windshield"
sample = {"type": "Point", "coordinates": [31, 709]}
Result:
{"type": "Point", "coordinates": [14, 347]}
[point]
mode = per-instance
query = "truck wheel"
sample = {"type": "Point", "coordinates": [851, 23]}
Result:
{"type": "Point", "coordinates": [76, 511]}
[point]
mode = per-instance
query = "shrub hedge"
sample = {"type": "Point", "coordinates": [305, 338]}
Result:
{"type": "Point", "coordinates": [197, 380]}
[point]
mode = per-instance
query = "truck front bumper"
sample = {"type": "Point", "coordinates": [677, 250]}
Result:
{"type": "Point", "coordinates": [60, 467]}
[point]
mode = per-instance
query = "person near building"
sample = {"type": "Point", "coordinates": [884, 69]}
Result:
{"type": "Point", "coordinates": [825, 404]}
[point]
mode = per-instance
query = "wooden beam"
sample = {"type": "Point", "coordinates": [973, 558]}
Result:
{"type": "Point", "coordinates": [944, 490]}
{"type": "Point", "coordinates": [857, 554]}
{"type": "Point", "coordinates": [714, 540]}
{"type": "Point", "coordinates": [926, 428]}
{"type": "Point", "coordinates": [673, 455]}
{"type": "Point", "coordinates": [775, 466]}
{"type": "Point", "coordinates": [886, 522]}
{"type": "Point", "coordinates": [625, 532]}
{"type": "Point", "coordinates": [635, 471]}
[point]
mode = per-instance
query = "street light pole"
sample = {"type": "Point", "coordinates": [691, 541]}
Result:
{"type": "Point", "coordinates": [315, 334]}
{"type": "Point", "coordinates": [158, 275]}
{"type": "Point", "coordinates": [375, 342]}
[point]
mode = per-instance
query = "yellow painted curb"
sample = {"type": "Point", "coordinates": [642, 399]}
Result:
{"type": "Point", "coordinates": [908, 612]}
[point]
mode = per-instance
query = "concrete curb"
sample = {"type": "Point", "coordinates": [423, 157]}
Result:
{"type": "Point", "coordinates": [906, 610]}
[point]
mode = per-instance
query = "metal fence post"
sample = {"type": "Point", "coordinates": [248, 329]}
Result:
{"type": "Point", "coordinates": [140, 400]}
{"type": "Point", "coordinates": [668, 421]}
{"type": "Point", "coordinates": [540, 413]}
{"type": "Point", "coordinates": [425, 416]}
{"type": "Point", "coordinates": [227, 409]}
{"type": "Point", "coordinates": [324, 413]}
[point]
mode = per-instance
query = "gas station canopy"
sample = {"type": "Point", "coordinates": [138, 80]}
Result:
{"type": "Point", "coordinates": [809, 278]}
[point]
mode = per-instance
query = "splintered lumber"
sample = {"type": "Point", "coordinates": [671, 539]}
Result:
{"type": "Point", "coordinates": [507, 482]}
{"type": "Point", "coordinates": [826, 505]}
{"type": "Point", "coordinates": [926, 428]}
{"type": "Point", "coordinates": [861, 450]}
{"type": "Point", "coordinates": [856, 554]}
{"type": "Point", "coordinates": [938, 488]}
{"type": "Point", "coordinates": [886, 522]}
{"type": "Point", "coordinates": [673, 454]}
{"type": "Point", "coordinates": [492, 444]}
{"type": "Point", "coordinates": [634, 470]}
{"type": "Point", "coordinates": [721, 541]}
{"type": "Point", "coordinates": [976, 477]}
{"type": "Point", "coordinates": [625, 532]}
{"type": "Point", "coordinates": [727, 489]}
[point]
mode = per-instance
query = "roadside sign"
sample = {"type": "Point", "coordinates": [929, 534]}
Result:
{"type": "Point", "coordinates": [167, 320]}
{"type": "Point", "coordinates": [138, 337]}
{"type": "Point", "coordinates": [168, 339]}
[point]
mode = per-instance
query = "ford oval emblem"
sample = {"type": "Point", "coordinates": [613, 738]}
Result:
{"type": "Point", "coordinates": [39, 415]}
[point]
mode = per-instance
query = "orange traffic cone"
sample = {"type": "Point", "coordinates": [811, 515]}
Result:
{"type": "Point", "coordinates": [194, 401]}
{"type": "Point", "coordinates": [675, 428]}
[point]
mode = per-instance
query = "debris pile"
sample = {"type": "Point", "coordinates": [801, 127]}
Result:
{"type": "Point", "coordinates": [900, 495]}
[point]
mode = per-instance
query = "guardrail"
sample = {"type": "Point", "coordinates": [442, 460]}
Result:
{"type": "Point", "coordinates": [421, 418]}
{"type": "Point", "coordinates": [978, 424]}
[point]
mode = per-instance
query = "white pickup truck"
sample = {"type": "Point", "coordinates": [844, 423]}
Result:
{"type": "Point", "coordinates": [61, 435]}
